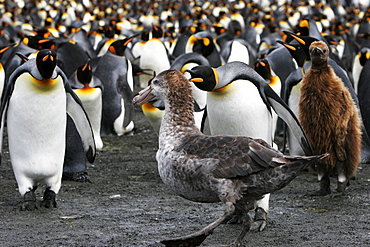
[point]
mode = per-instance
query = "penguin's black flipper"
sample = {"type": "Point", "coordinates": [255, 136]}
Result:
{"type": "Point", "coordinates": [127, 93]}
{"type": "Point", "coordinates": [77, 113]}
{"type": "Point", "coordinates": [285, 113]}
{"type": "Point", "coordinates": [23, 57]}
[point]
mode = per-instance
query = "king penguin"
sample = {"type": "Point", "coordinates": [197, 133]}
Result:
{"type": "Point", "coordinates": [204, 44]}
{"type": "Point", "coordinates": [264, 69]}
{"type": "Point", "coordinates": [88, 88]}
{"type": "Point", "coordinates": [239, 102]}
{"type": "Point", "coordinates": [35, 105]}
{"type": "Point", "coordinates": [358, 64]}
{"type": "Point", "coordinates": [364, 101]}
{"type": "Point", "coordinates": [154, 56]}
{"type": "Point", "coordinates": [115, 73]}
{"type": "Point", "coordinates": [291, 93]}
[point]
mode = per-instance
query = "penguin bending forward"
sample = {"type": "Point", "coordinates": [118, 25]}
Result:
{"type": "Point", "coordinates": [35, 106]}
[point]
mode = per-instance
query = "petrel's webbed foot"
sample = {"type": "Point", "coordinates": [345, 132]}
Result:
{"type": "Point", "coordinates": [246, 226]}
{"type": "Point", "coordinates": [29, 202]}
{"type": "Point", "coordinates": [260, 219]}
{"type": "Point", "coordinates": [197, 238]}
{"type": "Point", "coordinates": [236, 217]}
{"type": "Point", "coordinates": [49, 199]}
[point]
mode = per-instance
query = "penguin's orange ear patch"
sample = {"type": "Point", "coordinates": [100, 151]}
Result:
{"type": "Point", "coordinates": [304, 23]}
{"type": "Point", "coordinates": [111, 49]}
{"type": "Point", "coordinates": [206, 42]}
{"type": "Point", "coordinates": [86, 67]}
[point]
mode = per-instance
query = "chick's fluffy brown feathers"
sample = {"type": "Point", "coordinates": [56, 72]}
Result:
{"type": "Point", "coordinates": [329, 115]}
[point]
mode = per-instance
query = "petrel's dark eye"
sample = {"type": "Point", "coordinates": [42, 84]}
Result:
{"type": "Point", "coordinates": [151, 80]}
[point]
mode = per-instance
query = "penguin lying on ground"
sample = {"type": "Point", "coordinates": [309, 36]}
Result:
{"type": "Point", "coordinates": [330, 119]}
{"type": "Point", "coordinates": [236, 170]}
{"type": "Point", "coordinates": [35, 106]}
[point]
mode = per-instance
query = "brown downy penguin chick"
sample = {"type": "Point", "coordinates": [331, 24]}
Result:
{"type": "Point", "coordinates": [330, 119]}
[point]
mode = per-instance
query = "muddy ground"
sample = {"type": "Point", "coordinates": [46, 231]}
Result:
{"type": "Point", "coordinates": [128, 205]}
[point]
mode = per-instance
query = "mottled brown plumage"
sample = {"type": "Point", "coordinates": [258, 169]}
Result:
{"type": "Point", "coordinates": [330, 120]}
{"type": "Point", "coordinates": [236, 170]}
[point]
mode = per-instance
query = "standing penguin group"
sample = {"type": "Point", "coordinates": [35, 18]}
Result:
{"type": "Point", "coordinates": [69, 77]}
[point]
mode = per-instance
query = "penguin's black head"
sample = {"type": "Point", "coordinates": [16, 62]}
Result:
{"type": "Point", "coordinates": [296, 51]}
{"type": "Point", "coordinates": [157, 31]}
{"type": "Point", "coordinates": [304, 41]}
{"type": "Point", "coordinates": [203, 46]}
{"type": "Point", "coordinates": [204, 77]}
{"type": "Point", "coordinates": [262, 67]}
{"type": "Point", "coordinates": [39, 43]}
{"type": "Point", "coordinates": [84, 73]}
{"type": "Point", "coordinates": [46, 61]}
{"type": "Point", "coordinates": [118, 47]}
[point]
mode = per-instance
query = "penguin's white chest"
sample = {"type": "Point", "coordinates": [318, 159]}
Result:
{"type": "Point", "coordinates": [239, 110]}
{"type": "Point", "coordinates": [91, 99]}
{"type": "Point", "coordinates": [36, 123]}
{"type": "Point", "coordinates": [153, 56]}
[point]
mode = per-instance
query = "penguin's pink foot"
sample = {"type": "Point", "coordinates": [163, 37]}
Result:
{"type": "Point", "coordinates": [49, 199]}
{"type": "Point", "coordinates": [30, 202]}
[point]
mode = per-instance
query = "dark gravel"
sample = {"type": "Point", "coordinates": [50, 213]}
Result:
{"type": "Point", "coordinates": [128, 205]}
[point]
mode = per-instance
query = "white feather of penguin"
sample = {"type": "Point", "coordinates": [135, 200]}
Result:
{"type": "Point", "coordinates": [153, 56]}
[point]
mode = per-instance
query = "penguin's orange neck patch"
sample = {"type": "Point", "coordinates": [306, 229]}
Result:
{"type": "Point", "coordinates": [45, 82]}
{"type": "Point", "coordinates": [273, 80]}
{"type": "Point", "coordinates": [222, 89]}
{"type": "Point", "coordinates": [85, 90]}
{"type": "Point", "coordinates": [148, 107]}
